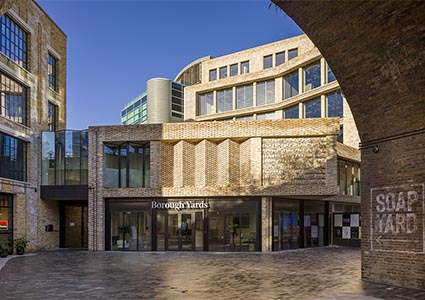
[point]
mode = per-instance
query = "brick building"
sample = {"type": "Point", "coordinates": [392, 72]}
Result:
{"type": "Point", "coordinates": [32, 99]}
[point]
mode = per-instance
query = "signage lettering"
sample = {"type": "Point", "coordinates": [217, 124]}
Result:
{"type": "Point", "coordinates": [180, 205]}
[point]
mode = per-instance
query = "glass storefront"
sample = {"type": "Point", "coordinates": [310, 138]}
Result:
{"type": "Point", "coordinates": [299, 224]}
{"type": "Point", "coordinates": [184, 224]}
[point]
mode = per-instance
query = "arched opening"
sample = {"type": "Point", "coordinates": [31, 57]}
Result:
{"type": "Point", "coordinates": [376, 50]}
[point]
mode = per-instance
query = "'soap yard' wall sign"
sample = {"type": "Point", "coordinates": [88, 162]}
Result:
{"type": "Point", "coordinates": [397, 219]}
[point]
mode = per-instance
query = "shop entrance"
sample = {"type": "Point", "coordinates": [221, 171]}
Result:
{"type": "Point", "coordinates": [184, 230]}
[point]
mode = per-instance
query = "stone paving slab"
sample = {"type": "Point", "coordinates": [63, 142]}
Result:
{"type": "Point", "coordinates": [321, 273]}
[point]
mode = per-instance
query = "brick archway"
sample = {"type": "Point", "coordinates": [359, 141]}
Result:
{"type": "Point", "coordinates": [377, 51]}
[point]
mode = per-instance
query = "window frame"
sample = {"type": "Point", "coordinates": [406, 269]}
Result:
{"type": "Point", "coordinates": [52, 72]}
{"type": "Point", "coordinates": [212, 74]}
{"type": "Point", "coordinates": [52, 122]}
{"type": "Point", "coordinates": [20, 35]}
{"type": "Point", "coordinates": [268, 61]}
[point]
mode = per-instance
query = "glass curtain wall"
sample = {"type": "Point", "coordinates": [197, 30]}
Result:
{"type": "Point", "coordinates": [64, 157]}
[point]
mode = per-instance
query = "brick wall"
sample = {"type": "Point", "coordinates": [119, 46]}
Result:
{"type": "Point", "coordinates": [215, 159]}
{"type": "Point", "coordinates": [31, 213]}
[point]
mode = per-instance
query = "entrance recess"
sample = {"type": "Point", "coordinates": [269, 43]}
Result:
{"type": "Point", "coordinates": [184, 230]}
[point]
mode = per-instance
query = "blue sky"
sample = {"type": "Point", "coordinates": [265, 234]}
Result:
{"type": "Point", "coordinates": [114, 47]}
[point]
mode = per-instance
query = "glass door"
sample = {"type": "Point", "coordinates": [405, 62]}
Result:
{"type": "Point", "coordinates": [185, 231]}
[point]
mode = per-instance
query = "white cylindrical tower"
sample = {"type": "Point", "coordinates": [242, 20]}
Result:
{"type": "Point", "coordinates": [159, 100]}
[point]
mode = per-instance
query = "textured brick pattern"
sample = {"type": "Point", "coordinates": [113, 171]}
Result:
{"type": "Point", "coordinates": [31, 214]}
{"type": "Point", "coordinates": [216, 159]}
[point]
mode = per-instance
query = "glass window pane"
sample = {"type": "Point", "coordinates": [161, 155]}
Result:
{"type": "Point", "coordinates": [290, 85]}
{"type": "Point", "coordinates": [268, 61]}
{"type": "Point", "coordinates": [330, 74]}
{"type": "Point", "coordinates": [206, 104]}
{"type": "Point", "coordinates": [292, 53]}
{"type": "Point", "coordinates": [291, 112]}
{"type": "Point", "coordinates": [312, 76]}
{"type": "Point", "coordinates": [312, 109]}
{"type": "Point", "coordinates": [224, 100]}
{"type": "Point", "coordinates": [280, 58]}
{"type": "Point", "coordinates": [213, 74]}
{"type": "Point", "coordinates": [12, 158]}
{"type": "Point", "coordinates": [245, 67]}
{"type": "Point", "coordinates": [234, 70]}
{"type": "Point", "coordinates": [110, 166]}
{"type": "Point", "coordinates": [223, 72]}
{"type": "Point", "coordinates": [334, 105]}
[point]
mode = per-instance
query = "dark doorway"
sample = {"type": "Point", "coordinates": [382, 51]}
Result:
{"type": "Point", "coordinates": [74, 225]}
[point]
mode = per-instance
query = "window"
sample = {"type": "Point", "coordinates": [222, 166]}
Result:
{"type": "Point", "coordinates": [334, 106]}
{"type": "Point", "coordinates": [290, 85]}
{"type": "Point", "coordinates": [349, 178]}
{"type": "Point", "coordinates": [52, 117]}
{"type": "Point", "coordinates": [244, 96]}
{"type": "Point", "coordinates": [126, 165]}
{"type": "Point", "coordinates": [266, 116]}
{"type": "Point", "coordinates": [13, 41]}
{"type": "Point", "coordinates": [6, 218]}
{"type": "Point", "coordinates": [206, 104]}
{"type": "Point", "coordinates": [177, 104]}
{"type": "Point", "coordinates": [292, 53]}
{"type": "Point", "coordinates": [330, 75]}
{"type": "Point", "coordinates": [213, 74]}
{"type": "Point", "coordinates": [224, 100]}
{"type": "Point", "coordinates": [312, 76]}
{"type": "Point", "coordinates": [280, 58]}
{"type": "Point", "coordinates": [291, 112]}
{"type": "Point", "coordinates": [52, 73]}
{"type": "Point", "coordinates": [312, 109]}
{"type": "Point", "coordinates": [244, 67]}
{"type": "Point", "coordinates": [268, 61]}
{"type": "Point", "coordinates": [245, 118]}
{"type": "Point", "coordinates": [13, 100]}
{"type": "Point", "coordinates": [234, 70]}
{"type": "Point", "coordinates": [13, 158]}
{"type": "Point", "coordinates": [223, 72]}
{"type": "Point", "coordinates": [340, 136]}
{"type": "Point", "coordinates": [265, 92]}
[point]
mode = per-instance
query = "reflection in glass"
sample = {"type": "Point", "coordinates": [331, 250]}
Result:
{"type": "Point", "coordinates": [213, 74]}
{"type": "Point", "coordinates": [334, 105]}
{"type": "Point", "coordinates": [223, 72]}
{"type": "Point", "coordinates": [267, 61]}
{"type": "Point", "coordinates": [286, 228]}
{"type": "Point", "coordinates": [312, 109]}
{"type": "Point", "coordinates": [234, 70]}
{"type": "Point", "coordinates": [280, 58]}
{"type": "Point", "coordinates": [292, 53]}
{"type": "Point", "coordinates": [233, 225]}
{"type": "Point", "coordinates": [312, 76]}
{"type": "Point", "coordinates": [291, 112]}
{"type": "Point", "coordinates": [290, 85]}
{"type": "Point", "coordinates": [244, 67]}
{"type": "Point", "coordinates": [224, 100]}
{"type": "Point", "coordinates": [265, 92]}
{"type": "Point", "coordinates": [244, 96]}
{"type": "Point", "coordinates": [206, 104]}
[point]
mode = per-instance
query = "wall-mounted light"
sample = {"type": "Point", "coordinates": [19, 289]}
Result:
{"type": "Point", "coordinates": [375, 149]}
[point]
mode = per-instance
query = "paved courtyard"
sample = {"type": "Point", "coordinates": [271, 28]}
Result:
{"type": "Point", "coordinates": [326, 273]}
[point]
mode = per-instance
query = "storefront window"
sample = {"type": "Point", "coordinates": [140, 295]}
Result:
{"type": "Point", "coordinates": [314, 224]}
{"type": "Point", "coordinates": [6, 219]}
{"type": "Point", "coordinates": [233, 225]}
{"type": "Point", "coordinates": [286, 225]}
{"type": "Point", "coordinates": [130, 226]}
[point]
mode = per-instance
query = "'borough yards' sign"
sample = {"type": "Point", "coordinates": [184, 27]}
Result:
{"type": "Point", "coordinates": [397, 217]}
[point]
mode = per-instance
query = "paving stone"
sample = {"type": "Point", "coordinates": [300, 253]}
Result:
{"type": "Point", "coordinates": [321, 273]}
